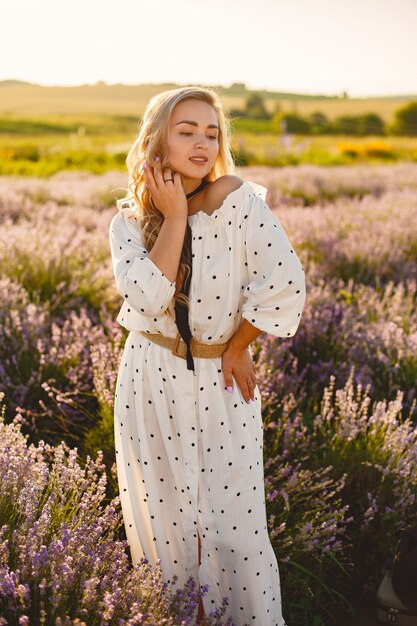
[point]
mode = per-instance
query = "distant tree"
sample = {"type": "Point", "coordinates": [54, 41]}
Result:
{"type": "Point", "coordinates": [238, 86]}
{"type": "Point", "coordinates": [319, 123]}
{"type": "Point", "coordinates": [292, 123]}
{"type": "Point", "coordinates": [346, 125]}
{"type": "Point", "coordinates": [255, 107]}
{"type": "Point", "coordinates": [370, 124]}
{"type": "Point", "coordinates": [359, 125]}
{"type": "Point", "coordinates": [277, 108]}
{"type": "Point", "coordinates": [406, 120]}
{"type": "Point", "coordinates": [318, 118]}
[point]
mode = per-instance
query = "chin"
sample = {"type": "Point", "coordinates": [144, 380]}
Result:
{"type": "Point", "coordinates": [193, 175]}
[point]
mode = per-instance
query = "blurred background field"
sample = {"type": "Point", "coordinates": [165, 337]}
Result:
{"type": "Point", "coordinates": [46, 129]}
{"type": "Point", "coordinates": [322, 99]}
{"type": "Point", "coordinates": [339, 398]}
{"type": "Point", "coordinates": [100, 98]}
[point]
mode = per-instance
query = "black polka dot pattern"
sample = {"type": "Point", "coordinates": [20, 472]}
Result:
{"type": "Point", "coordinates": [146, 290]}
{"type": "Point", "coordinates": [258, 256]}
{"type": "Point", "coordinates": [189, 453]}
{"type": "Point", "coordinates": [275, 295]}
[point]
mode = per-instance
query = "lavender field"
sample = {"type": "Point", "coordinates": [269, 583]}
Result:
{"type": "Point", "coordinates": [339, 400]}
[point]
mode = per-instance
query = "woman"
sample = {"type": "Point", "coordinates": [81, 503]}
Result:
{"type": "Point", "coordinates": [188, 425]}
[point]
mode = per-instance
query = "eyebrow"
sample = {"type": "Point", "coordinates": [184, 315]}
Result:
{"type": "Point", "coordinates": [196, 124]}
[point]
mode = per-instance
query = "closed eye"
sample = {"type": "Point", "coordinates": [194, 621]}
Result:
{"type": "Point", "coordinates": [209, 136]}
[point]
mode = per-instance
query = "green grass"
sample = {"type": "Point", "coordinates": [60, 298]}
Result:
{"type": "Point", "coordinates": [42, 146]}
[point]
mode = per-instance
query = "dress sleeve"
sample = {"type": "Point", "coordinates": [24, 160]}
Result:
{"type": "Point", "coordinates": [274, 298]}
{"type": "Point", "coordinates": [141, 283]}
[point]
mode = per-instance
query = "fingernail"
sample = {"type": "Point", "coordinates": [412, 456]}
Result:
{"type": "Point", "coordinates": [230, 388]}
{"type": "Point", "coordinates": [157, 158]}
{"type": "Point", "coordinates": [144, 165]}
{"type": "Point", "coordinates": [249, 401]}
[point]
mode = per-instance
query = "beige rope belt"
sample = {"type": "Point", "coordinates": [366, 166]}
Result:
{"type": "Point", "coordinates": [179, 348]}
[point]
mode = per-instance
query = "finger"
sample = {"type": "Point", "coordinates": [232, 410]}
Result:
{"type": "Point", "coordinates": [177, 179]}
{"type": "Point", "coordinates": [167, 174]}
{"type": "Point", "coordinates": [159, 180]}
{"type": "Point", "coordinates": [251, 387]}
{"type": "Point", "coordinates": [242, 381]}
{"type": "Point", "coordinates": [247, 391]}
{"type": "Point", "coordinates": [228, 378]}
{"type": "Point", "coordinates": [158, 176]}
{"type": "Point", "coordinates": [149, 177]}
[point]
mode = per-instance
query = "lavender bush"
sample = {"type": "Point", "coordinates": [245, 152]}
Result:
{"type": "Point", "coordinates": [38, 352]}
{"type": "Point", "coordinates": [308, 185]}
{"type": "Point", "coordinates": [337, 455]}
{"type": "Point", "coordinates": [346, 324]}
{"type": "Point", "coordinates": [61, 561]}
{"type": "Point", "coordinates": [55, 247]}
{"type": "Point", "coordinates": [340, 487]}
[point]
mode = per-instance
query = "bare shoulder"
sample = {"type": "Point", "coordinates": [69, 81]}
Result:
{"type": "Point", "coordinates": [221, 188]}
{"type": "Point", "coordinates": [226, 184]}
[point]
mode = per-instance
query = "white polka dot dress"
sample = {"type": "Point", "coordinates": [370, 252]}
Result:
{"type": "Point", "coordinates": [189, 453]}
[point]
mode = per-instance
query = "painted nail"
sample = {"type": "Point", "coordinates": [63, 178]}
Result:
{"type": "Point", "coordinates": [249, 401]}
{"type": "Point", "coordinates": [157, 158]}
{"type": "Point", "coordinates": [144, 165]}
{"type": "Point", "coordinates": [230, 389]}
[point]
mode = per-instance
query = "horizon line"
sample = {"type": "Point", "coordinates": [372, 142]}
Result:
{"type": "Point", "coordinates": [341, 95]}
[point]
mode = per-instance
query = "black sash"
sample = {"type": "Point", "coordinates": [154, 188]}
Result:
{"type": "Point", "coordinates": [181, 311]}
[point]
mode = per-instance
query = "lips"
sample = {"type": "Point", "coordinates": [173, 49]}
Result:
{"type": "Point", "coordinates": [198, 159]}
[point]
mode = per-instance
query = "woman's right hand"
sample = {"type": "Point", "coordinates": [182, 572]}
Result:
{"type": "Point", "coordinates": [168, 197]}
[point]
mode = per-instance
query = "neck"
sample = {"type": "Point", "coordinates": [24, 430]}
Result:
{"type": "Point", "coordinates": [190, 184]}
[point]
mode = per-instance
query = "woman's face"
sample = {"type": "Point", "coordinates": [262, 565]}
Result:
{"type": "Point", "coordinates": [193, 134]}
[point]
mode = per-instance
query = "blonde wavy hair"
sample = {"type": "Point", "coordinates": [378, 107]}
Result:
{"type": "Point", "coordinates": [152, 141]}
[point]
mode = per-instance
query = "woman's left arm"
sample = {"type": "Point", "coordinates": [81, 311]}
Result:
{"type": "Point", "coordinates": [274, 298]}
{"type": "Point", "coordinates": [237, 361]}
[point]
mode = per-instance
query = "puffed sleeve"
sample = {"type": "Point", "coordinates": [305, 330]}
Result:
{"type": "Point", "coordinates": [274, 298]}
{"type": "Point", "coordinates": [141, 283]}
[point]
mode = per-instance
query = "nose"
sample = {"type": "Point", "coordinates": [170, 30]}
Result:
{"type": "Point", "coordinates": [201, 142]}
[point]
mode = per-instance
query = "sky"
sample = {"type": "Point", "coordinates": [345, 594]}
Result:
{"type": "Point", "coordinates": [363, 47]}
